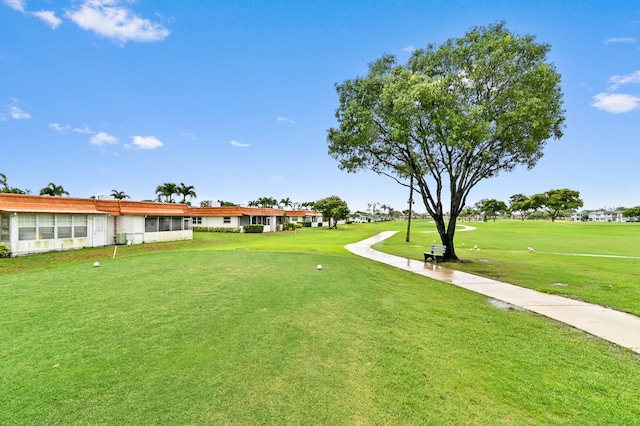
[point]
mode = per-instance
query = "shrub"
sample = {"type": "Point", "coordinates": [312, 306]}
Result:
{"type": "Point", "coordinates": [215, 229]}
{"type": "Point", "coordinates": [306, 224]}
{"type": "Point", "coordinates": [253, 229]}
{"type": "Point", "coordinates": [4, 250]}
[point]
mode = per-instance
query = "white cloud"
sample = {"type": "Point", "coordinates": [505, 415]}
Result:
{"type": "Point", "coordinates": [102, 138]}
{"type": "Point", "coordinates": [147, 142]}
{"type": "Point", "coordinates": [48, 17]}
{"type": "Point", "coordinates": [409, 49]}
{"type": "Point", "coordinates": [106, 18]}
{"type": "Point", "coordinates": [619, 80]}
{"type": "Point", "coordinates": [616, 103]}
{"type": "Point", "coordinates": [239, 145]}
{"type": "Point", "coordinates": [285, 120]}
{"type": "Point", "coordinates": [620, 40]}
{"type": "Point", "coordinates": [58, 128]}
{"type": "Point", "coordinates": [15, 4]}
{"type": "Point", "coordinates": [84, 129]}
{"type": "Point", "coordinates": [17, 113]}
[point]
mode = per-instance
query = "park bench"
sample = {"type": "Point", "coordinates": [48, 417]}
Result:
{"type": "Point", "coordinates": [437, 253]}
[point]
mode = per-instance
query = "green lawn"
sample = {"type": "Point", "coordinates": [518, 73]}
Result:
{"type": "Point", "coordinates": [243, 329]}
{"type": "Point", "coordinates": [552, 267]}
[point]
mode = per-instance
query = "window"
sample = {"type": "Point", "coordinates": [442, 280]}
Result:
{"type": "Point", "coordinates": [79, 226]}
{"type": "Point", "coordinates": [4, 228]}
{"type": "Point", "coordinates": [151, 224]}
{"type": "Point", "coordinates": [65, 226]}
{"type": "Point", "coordinates": [226, 219]}
{"type": "Point", "coordinates": [165, 224]}
{"type": "Point", "coordinates": [260, 220]}
{"type": "Point", "coordinates": [46, 226]}
{"type": "Point", "coordinates": [27, 227]}
{"type": "Point", "coordinates": [196, 220]}
{"type": "Point", "coordinates": [33, 227]}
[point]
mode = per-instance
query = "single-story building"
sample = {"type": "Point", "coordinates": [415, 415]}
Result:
{"type": "Point", "coordinates": [238, 216]}
{"type": "Point", "coordinates": [33, 224]}
{"type": "Point", "coordinates": [601, 216]}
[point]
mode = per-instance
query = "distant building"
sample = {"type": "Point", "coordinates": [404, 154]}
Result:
{"type": "Point", "coordinates": [238, 216]}
{"type": "Point", "coordinates": [601, 216]}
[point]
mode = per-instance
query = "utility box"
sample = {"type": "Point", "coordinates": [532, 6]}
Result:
{"type": "Point", "coordinates": [121, 238]}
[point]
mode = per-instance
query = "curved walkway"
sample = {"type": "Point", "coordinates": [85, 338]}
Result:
{"type": "Point", "coordinates": [618, 327]}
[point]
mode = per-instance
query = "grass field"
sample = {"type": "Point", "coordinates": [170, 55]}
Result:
{"type": "Point", "coordinates": [243, 329]}
{"type": "Point", "coordinates": [570, 259]}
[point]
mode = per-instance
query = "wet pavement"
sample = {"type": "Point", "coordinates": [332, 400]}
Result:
{"type": "Point", "coordinates": [618, 327]}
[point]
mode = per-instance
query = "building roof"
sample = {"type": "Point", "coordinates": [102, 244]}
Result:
{"type": "Point", "coordinates": [235, 211]}
{"type": "Point", "coordinates": [20, 203]}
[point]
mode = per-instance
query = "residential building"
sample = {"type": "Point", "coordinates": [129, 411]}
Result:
{"type": "Point", "coordinates": [33, 224]}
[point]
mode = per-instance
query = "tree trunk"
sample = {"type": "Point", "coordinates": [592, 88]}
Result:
{"type": "Point", "coordinates": [410, 210]}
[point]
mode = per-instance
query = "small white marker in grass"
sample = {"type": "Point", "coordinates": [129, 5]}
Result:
{"type": "Point", "coordinates": [96, 264]}
{"type": "Point", "coordinates": [319, 267]}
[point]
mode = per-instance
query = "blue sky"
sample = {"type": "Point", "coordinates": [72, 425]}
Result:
{"type": "Point", "coordinates": [235, 97]}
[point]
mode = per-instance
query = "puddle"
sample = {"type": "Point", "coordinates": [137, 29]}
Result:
{"type": "Point", "coordinates": [505, 306]}
{"type": "Point", "coordinates": [559, 285]}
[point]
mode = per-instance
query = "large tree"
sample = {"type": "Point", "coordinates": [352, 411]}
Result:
{"type": "Point", "coordinates": [454, 115]}
{"type": "Point", "coordinates": [53, 190]}
{"type": "Point", "coordinates": [490, 207]}
{"type": "Point", "coordinates": [519, 203]}
{"type": "Point", "coordinates": [632, 212]}
{"type": "Point", "coordinates": [560, 200]}
{"type": "Point", "coordinates": [333, 209]}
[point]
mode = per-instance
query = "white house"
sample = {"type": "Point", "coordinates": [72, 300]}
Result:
{"type": "Point", "coordinates": [606, 216]}
{"type": "Point", "coordinates": [238, 216]}
{"type": "Point", "coordinates": [33, 224]}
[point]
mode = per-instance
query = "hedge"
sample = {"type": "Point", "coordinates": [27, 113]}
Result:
{"type": "Point", "coordinates": [253, 229]}
{"type": "Point", "coordinates": [215, 229]}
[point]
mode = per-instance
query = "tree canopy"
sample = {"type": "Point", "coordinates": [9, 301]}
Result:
{"type": "Point", "coordinates": [633, 212]}
{"type": "Point", "coordinates": [5, 188]}
{"type": "Point", "coordinates": [491, 208]}
{"type": "Point", "coordinates": [559, 200]}
{"type": "Point", "coordinates": [332, 208]}
{"type": "Point", "coordinates": [452, 116]}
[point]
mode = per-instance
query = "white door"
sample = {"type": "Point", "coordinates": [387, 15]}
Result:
{"type": "Point", "coordinates": [99, 234]}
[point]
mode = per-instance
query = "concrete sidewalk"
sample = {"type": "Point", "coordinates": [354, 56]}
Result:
{"type": "Point", "coordinates": [618, 327]}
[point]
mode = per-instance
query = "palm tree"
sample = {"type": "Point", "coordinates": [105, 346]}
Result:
{"type": "Point", "coordinates": [186, 191]}
{"type": "Point", "coordinates": [286, 202]}
{"type": "Point", "coordinates": [252, 203]}
{"type": "Point", "coordinates": [118, 195]}
{"type": "Point", "coordinates": [167, 190]}
{"type": "Point", "coordinates": [53, 190]}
